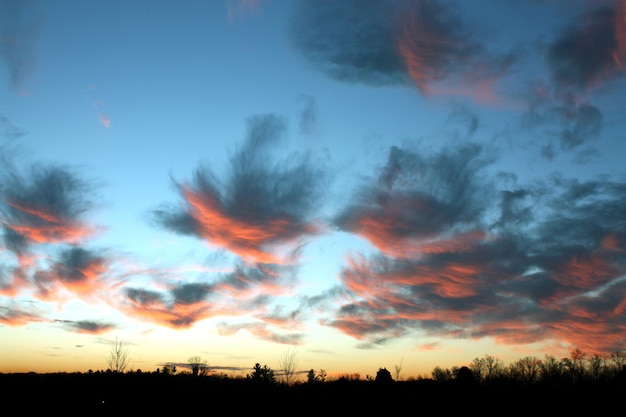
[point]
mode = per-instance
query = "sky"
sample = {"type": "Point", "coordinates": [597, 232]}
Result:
{"type": "Point", "coordinates": [366, 184]}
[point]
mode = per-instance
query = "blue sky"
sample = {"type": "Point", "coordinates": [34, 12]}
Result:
{"type": "Point", "coordinates": [370, 183]}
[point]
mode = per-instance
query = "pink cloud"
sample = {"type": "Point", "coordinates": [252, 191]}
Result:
{"type": "Point", "coordinates": [105, 120]}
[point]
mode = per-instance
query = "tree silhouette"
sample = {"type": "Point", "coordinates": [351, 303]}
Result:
{"type": "Point", "coordinates": [263, 374]}
{"type": "Point", "coordinates": [198, 366]}
{"type": "Point", "coordinates": [383, 376]}
{"type": "Point", "coordinates": [118, 359]}
{"type": "Point", "coordinates": [465, 376]}
{"type": "Point", "coordinates": [288, 364]}
{"type": "Point", "coordinates": [397, 369]}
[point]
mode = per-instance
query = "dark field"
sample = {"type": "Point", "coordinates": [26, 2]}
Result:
{"type": "Point", "coordinates": [149, 394]}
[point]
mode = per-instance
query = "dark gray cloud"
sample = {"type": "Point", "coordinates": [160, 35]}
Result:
{"type": "Point", "coordinates": [565, 119]}
{"type": "Point", "coordinates": [143, 297]}
{"type": "Point", "coordinates": [190, 293]}
{"type": "Point", "coordinates": [583, 60]}
{"type": "Point", "coordinates": [86, 326]}
{"type": "Point", "coordinates": [78, 264]}
{"type": "Point", "coordinates": [550, 266]}
{"type": "Point", "coordinates": [350, 41]}
{"type": "Point", "coordinates": [19, 32]}
{"type": "Point", "coordinates": [264, 200]}
{"type": "Point", "coordinates": [419, 196]}
{"type": "Point", "coordinates": [246, 290]}
{"type": "Point", "coordinates": [44, 206]}
{"type": "Point", "coordinates": [387, 42]}
{"type": "Point", "coordinates": [77, 269]}
{"type": "Point", "coordinates": [180, 307]}
{"type": "Point", "coordinates": [588, 51]}
{"type": "Point", "coordinates": [245, 275]}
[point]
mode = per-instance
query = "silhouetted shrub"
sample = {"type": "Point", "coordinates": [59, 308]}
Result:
{"type": "Point", "coordinates": [383, 376]}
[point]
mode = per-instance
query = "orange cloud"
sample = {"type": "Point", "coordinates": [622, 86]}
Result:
{"type": "Point", "coordinates": [619, 54]}
{"type": "Point", "coordinates": [52, 229]}
{"type": "Point", "coordinates": [418, 46]}
{"type": "Point", "coordinates": [18, 318]}
{"type": "Point", "coordinates": [174, 316]}
{"type": "Point", "coordinates": [244, 237]}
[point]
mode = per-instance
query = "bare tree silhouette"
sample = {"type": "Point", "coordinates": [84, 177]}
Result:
{"type": "Point", "coordinates": [288, 363]}
{"type": "Point", "coordinates": [397, 369]}
{"type": "Point", "coordinates": [118, 359]}
{"type": "Point", "coordinates": [198, 366]}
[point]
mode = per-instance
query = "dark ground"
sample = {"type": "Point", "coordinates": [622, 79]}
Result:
{"type": "Point", "coordinates": [150, 394]}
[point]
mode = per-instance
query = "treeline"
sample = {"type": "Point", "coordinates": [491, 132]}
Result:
{"type": "Point", "coordinates": [579, 367]}
{"type": "Point", "coordinates": [579, 383]}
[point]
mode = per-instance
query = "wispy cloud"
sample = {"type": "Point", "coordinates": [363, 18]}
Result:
{"type": "Point", "coordinates": [19, 32]}
{"type": "Point", "coordinates": [583, 59]}
{"type": "Point", "coordinates": [349, 40]}
{"type": "Point", "coordinates": [78, 270]}
{"type": "Point", "coordinates": [263, 204]}
{"type": "Point", "coordinates": [591, 50]}
{"type": "Point", "coordinates": [105, 120]}
{"type": "Point", "coordinates": [308, 115]}
{"type": "Point", "coordinates": [45, 231]}
{"type": "Point", "coordinates": [12, 314]}
{"type": "Point", "coordinates": [397, 43]}
{"type": "Point", "coordinates": [262, 332]}
{"type": "Point", "coordinates": [418, 200]}
{"type": "Point", "coordinates": [45, 206]}
{"type": "Point", "coordinates": [567, 121]}
{"type": "Point", "coordinates": [86, 326]}
{"type": "Point", "coordinates": [246, 291]}
{"type": "Point", "coordinates": [548, 266]}
{"type": "Point", "coordinates": [236, 8]}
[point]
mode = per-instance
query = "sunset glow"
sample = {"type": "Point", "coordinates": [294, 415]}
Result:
{"type": "Point", "coordinates": [369, 182]}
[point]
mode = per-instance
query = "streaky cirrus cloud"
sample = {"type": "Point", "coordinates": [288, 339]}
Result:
{"type": "Point", "coordinates": [180, 307]}
{"type": "Point", "coordinates": [387, 42]}
{"type": "Point", "coordinates": [77, 270]}
{"type": "Point", "coordinates": [13, 314]}
{"type": "Point", "coordinates": [582, 60]}
{"type": "Point", "coordinates": [541, 262]}
{"type": "Point", "coordinates": [569, 120]}
{"type": "Point", "coordinates": [436, 44]}
{"type": "Point", "coordinates": [44, 235]}
{"type": "Point", "coordinates": [349, 41]}
{"type": "Point", "coordinates": [262, 205]}
{"type": "Point", "coordinates": [47, 205]}
{"type": "Point", "coordinates": [592, 50]}
{"type": "Point", "coordinates": [86, 326]}
{"type": "Point", "coordinates": [418, 199]}
{"type": "Point", "coordinates": [261, 331]}
{"type": "Point", "coordinates": [245, 291]}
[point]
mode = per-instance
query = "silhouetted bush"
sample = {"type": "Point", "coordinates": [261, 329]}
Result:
{"type": "Point", "coordinates": [383, 376]}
